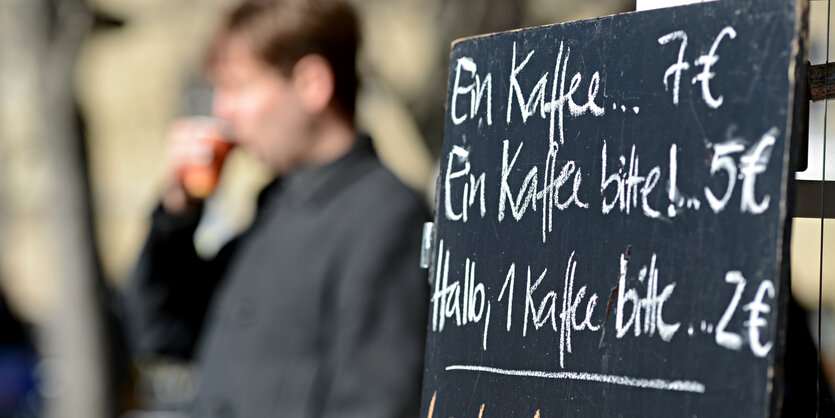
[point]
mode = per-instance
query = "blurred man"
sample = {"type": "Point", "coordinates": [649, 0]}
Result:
{"type": "Point", "coordinates": [319, 308]}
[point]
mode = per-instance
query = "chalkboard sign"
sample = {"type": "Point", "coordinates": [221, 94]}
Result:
{"type": "Point", "coordinates": [611, 217]}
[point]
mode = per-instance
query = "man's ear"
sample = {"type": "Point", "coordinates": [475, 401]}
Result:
{"type": "Point", "coordinates": [313, 81]}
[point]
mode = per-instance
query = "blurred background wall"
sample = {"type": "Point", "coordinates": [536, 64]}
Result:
{"type": "Point", "coordinates": [88, 89]}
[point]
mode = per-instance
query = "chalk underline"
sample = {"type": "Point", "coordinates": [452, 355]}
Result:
{"type": "Point", "coordinates": [660, 384]}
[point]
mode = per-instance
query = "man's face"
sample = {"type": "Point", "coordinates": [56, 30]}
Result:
{"type": "Point", "coordinates": [261, 106]}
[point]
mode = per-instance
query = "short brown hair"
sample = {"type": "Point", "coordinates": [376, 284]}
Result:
{"type": "Point", "coordinates": [281, 32]}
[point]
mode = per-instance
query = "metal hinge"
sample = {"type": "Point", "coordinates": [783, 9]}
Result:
{"type": "Point", "coordinates": [426, 244]}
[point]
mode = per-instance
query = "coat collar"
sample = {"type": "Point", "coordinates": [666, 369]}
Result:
{"type": "Point", "coordinates": [316, 184]}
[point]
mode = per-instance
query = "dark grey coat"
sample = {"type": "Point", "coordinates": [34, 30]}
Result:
{"type": "Point", "coordinates": [319, 310]}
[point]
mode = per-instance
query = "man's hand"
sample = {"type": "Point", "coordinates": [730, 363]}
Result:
{"type": "Point", "coordinates": [194, 157]}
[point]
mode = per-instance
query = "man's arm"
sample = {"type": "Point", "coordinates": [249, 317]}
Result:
{"type": "Point", "coordinates": [171, 286]}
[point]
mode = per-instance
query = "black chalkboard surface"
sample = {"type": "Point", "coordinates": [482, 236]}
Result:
{"type": "Point", "coordinates": [611, 235]}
